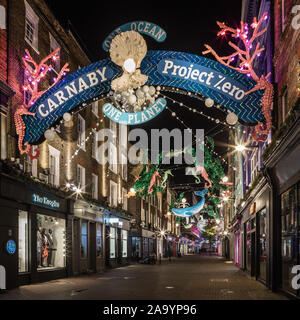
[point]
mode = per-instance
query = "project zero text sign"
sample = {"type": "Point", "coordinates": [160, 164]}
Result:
{"type": "Point", "coordinates": [204, 76]}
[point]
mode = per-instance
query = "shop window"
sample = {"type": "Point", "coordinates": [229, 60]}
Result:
{"type": "Point", "coordinates": [289, 244]}
{"type": "Point", "coordinates": [3, 132]}
{"type": "Point", "coordinates": [51, 242]}
{"type": "Point", "coordinates": [84, 240]}
{"type": "Point", "coordinates": [23, 241]}
{"type": "Point", "coordinates": [81, 132]}
{"type": "Point", "coordinates": [31, 27]}
{"type": "Point", "coordinates": [113, 236]}
{"type": "Point", "coordinates": [262, 244]}
{"type": "Point", "coordinates": [136, 247]}
{"type": "Point", "coordinates": [95, 108]}
{"type": "Point", "coordinates": [124, 243]}
{"type": "Point", "coordinates": [99, 240]}
{"type": "Point", "coordinates": [145, 247]}
{"type": "Point", "coordinates": [95, 186]}
{"type": "Point", "coordinates": [54, 166]}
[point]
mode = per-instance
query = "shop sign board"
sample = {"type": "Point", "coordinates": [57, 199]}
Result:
{"type": "Point", "coordinates": [45, 201]}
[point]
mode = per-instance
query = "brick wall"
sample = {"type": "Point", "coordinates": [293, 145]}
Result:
{"type": "Point", "coordinates": [286, 56]}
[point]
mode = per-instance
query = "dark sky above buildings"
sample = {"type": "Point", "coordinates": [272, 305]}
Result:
{"type": "Point", "coordinates": [189, 25]}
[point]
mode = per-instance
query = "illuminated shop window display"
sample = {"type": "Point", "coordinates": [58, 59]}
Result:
{"type": "Point", "coordinates": [23, 241]}
{"type": "Point", "coordinates": [99, 240]}
{"type": "Point", "coordinates": [113, 237]}
{"type": "Point", "coordinates": [51, 242]}
{"type": "Point", "coordinates": [124, 243]}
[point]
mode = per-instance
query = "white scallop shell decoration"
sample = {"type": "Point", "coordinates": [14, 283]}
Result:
{"type": "Point", "coordinates": [130, 47]}
{"type": "Point", "coordinates": [231, 118]}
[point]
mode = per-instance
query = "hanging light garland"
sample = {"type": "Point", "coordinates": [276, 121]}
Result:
{"type": "Point", "coordinates": [181, 104]}
{"type": "Point", "coordinates": [214, 152]}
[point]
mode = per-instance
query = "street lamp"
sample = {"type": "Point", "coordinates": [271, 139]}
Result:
{"type": "Point", "coordinates": [240, 148]}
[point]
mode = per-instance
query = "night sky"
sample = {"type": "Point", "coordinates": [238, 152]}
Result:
{"type": "Point", "coordinates": [189, 25]}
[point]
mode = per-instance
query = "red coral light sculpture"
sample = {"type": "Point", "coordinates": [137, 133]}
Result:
{"type": "Point", "coordinates": [34, 73]}
{"type": "Point", "coordinates": [246, 57]}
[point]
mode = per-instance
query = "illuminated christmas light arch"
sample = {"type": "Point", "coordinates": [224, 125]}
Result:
{"type": "Point", "coordinates": [216, 80]}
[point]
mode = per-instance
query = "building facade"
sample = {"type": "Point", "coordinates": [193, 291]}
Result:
{"type": "Point", "coordinates": [266, 200]}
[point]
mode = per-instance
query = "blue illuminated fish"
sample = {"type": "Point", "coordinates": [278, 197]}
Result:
{"type": "Point", "coordinates": [190, 211]}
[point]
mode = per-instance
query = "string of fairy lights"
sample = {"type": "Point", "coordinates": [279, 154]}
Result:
{"type": "Point", "coordinates": [210, 149]}
{"type": "Point", "coordinates": [194, 110]}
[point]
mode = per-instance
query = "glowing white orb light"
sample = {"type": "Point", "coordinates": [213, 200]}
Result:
{"type": "Point", "coordinates": [129, 65]}
{"type": "Point", "coordinates": [209, 102]}
{"type": "Point", "coordinates": [231, 118]}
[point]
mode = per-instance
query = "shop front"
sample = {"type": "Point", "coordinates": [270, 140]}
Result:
{"type": "Point", "coordinates": [88, 238]}
{"type": "Point", "coordinates": [255, 232]}
{"type": "Point", "coordinates": [236, 230]}
{"type": "Point", "coordinates": [149, 243]}
{"type": "Point", "coordinates": [136, 244]}
{"type": "Point", "coordinates": [35, 233]}
{"type": "Point", "coordinates": [117, 245]}
{"type": "Point", "coordinates": [283, 172]}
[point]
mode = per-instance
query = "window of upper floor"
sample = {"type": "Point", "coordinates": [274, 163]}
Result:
{"type": "Point", "coordinates": [54, 171]}
{"type": "Point", "coordinates": [31, 27]}
{"type": "Point", "coordinates": [81, 132]}
{"type": "Point", "coordinates": [113, 158]}
{"type": "Point", "coordinates": [3, 132]}
{"type": "Point", "coordinates": [124, 199]}
{"type": "Point", "coordinates": [95, 186]}
{"type": "Point", "coordinates": [53, 46]}
{"type": "Point", "coordinates": [81, 177]}
{"type": "Point", "coordinates": [95, 108]}
{"type": "Point", "coordinates": [2, 18]}
{"type": "Point", "coordinates": [113, 194]}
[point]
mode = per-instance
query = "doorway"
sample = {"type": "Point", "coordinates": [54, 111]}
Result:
{"type": "Point", "coordinates": [250, 245]}
{"type": "Point", "coordinates": [76, 251]}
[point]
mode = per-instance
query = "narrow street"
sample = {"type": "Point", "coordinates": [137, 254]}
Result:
{"type": "Point", "coordinates": [188, 278]}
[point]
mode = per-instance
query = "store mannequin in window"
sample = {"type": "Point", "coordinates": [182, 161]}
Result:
{"type": "Point", "coordinates": [39, 246]}
{"type": "Point", "coordinates": [45, 245]}
{"type": "Point", "coordinates": [51, 248]}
